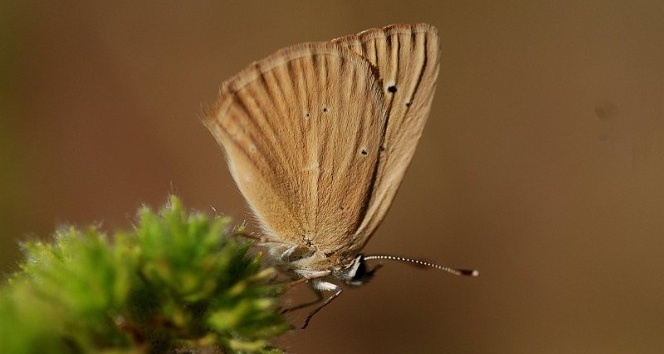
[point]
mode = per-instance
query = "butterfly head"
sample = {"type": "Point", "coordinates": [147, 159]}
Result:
{"type": "Point", "coordinates": [357, 273]}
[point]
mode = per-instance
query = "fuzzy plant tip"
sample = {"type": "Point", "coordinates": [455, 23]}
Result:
{"type": "Point", "coordinates": [179, 282]}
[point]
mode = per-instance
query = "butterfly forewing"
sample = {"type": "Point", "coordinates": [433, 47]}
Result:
{"type": "Point", "coordinates": [406, 58]}
{"type": "Point", "coordinates": [302, 131]}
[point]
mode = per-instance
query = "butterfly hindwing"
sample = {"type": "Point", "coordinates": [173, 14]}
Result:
{"type": "Point", "coordinates": [406, 58]}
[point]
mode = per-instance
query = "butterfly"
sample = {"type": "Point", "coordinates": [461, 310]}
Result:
{"type": "Point", "coordinates": [318, 137]}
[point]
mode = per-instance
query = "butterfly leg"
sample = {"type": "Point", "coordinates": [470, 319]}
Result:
{"type": "Point", "coordinates": [288, 252]}
{"type": "Point", "coordinates": [319, 295]}
{"type": "Point", "coordinates": [318, 287]}
{"type": "Point", "coordinates": [261, 239]}
{"type": "Point", "coordinates": [319, 298]}
{"type": "Point", "coordinates": [329, 286]}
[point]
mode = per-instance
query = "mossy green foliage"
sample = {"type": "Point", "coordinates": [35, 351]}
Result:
{"type": "Point", "coordinates": [177, 283]}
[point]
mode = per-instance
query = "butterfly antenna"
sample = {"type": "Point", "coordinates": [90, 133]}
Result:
{"type": "Point", "coordinates": [417, 262]}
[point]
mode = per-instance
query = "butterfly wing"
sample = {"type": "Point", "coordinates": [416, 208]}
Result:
{"type": "Point", "coordinates": [302, 130]}
{"type": "Point", "coordinates": [406, 58]}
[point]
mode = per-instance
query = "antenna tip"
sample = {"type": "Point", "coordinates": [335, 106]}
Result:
{"type": "Point", "coordinates": [470, 272]}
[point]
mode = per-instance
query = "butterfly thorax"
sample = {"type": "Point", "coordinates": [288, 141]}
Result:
{"type": "Point", "coordinates": [299, 261]}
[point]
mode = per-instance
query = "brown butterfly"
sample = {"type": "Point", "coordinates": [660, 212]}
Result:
{"type": "Point", "coordinates": [318, 137]}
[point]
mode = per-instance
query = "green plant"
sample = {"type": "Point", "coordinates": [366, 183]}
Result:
{"type": "Point", "coordinates": [179, 283]}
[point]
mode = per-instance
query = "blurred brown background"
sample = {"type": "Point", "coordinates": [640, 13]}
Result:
{"type": "Point", "coordinates": [542, 163]}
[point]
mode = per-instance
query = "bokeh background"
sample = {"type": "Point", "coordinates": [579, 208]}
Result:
{"type": "Point", "coordinates": [542, 163]}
